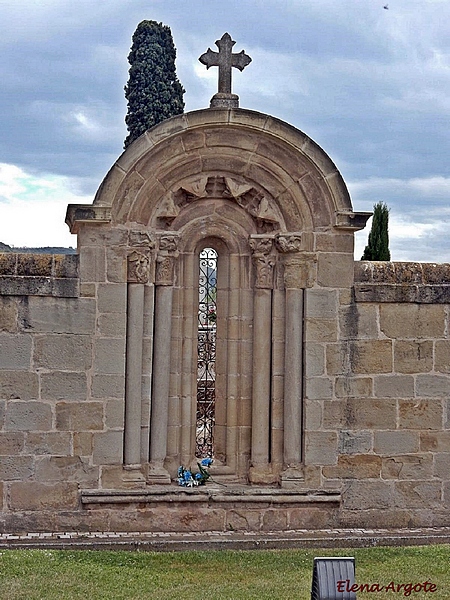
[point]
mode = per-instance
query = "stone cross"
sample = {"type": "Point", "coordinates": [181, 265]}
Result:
{"type": "Point", "coordinates": [225, 60]}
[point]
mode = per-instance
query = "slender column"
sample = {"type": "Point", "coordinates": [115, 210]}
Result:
{"type": "Point", "coordinates": [260, 471]}
{"type": "Point", "coordinates": [133, 394]}
{"type": "Point", "coordinates": [296, 278]}
{"type": "Point", "coordinates": [165, 263]}
{"type": "Point", "coordinates": [139, 268]}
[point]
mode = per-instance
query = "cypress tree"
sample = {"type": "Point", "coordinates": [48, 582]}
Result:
{"type": "Point", "coordinates": [153, 91]}
{"type": "Point", "coordinates": [378, 243]}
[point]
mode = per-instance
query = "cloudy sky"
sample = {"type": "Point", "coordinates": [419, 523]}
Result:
{"type": "Point", "coordinates": [371, 85]}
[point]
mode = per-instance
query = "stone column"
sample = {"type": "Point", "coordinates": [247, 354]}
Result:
{"type": "Point", "coordinates": [296, 277]}
{"type": "Point", "coordinates": [164, 278]}
{"type": "Point", "coordinates": [264, 261]}
{"type": "Point", "coordinates": [138, 274]}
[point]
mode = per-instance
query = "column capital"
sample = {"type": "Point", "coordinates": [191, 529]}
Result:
{"type": "Point", "coordinates": [139, 267]}
{"type": "Point", "coordinates": [262, 246]}
{"type": "Point", "coordinates": [165, 260]}
{"type": "Point", "coordinates": [299, 270]}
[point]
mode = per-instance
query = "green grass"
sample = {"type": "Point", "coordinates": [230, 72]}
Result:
{"type": "Point", "coordinates": [225, 575]}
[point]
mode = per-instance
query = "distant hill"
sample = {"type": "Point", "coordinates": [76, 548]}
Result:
{"type": "Point", "coordinates": [43, 250]}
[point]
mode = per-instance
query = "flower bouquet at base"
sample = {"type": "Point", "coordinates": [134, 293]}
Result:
{"type": "Point", "coordinates": [188, 478]}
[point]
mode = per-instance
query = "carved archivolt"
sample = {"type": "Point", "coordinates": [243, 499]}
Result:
{"type": "Point", "coordinates": [254, 202]}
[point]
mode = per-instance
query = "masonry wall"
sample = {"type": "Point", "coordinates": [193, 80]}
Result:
{"type": "Point", "coordinates": [377, 389]}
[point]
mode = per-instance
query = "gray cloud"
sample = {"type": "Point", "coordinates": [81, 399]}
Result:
{"type": "Point", "coordinates": [371, 86]}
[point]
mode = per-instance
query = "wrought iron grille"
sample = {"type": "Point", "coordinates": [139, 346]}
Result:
{"type": "Point", "coordinates": [206, 357]}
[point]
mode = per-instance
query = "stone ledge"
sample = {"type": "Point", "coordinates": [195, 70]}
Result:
{"type": "Point", "coordinates": [27, 274]}
{"type": "Point", "coordinates": [420, 283]}
{"type": "Point", "coordinates": [170, 495]}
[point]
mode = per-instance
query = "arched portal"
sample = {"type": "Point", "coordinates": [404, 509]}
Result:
{"type": "Point", "coordinates": [274, 208]}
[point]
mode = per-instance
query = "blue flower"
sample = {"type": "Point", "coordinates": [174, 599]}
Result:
{"type": "Point", "coordinates": [206, 462]}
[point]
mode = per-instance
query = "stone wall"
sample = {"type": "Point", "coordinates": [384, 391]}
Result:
{"type": "Point", "coordinates": [376, 407]}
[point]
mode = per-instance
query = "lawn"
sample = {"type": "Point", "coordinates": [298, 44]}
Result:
{"type": "Point", "coordinates": [224, 575]}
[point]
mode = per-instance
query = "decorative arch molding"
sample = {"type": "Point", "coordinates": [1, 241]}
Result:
{"type": "Point", "coordinates": [278, 163]}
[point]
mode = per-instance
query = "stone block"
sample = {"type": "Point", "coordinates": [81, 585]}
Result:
{"type": "Point", "coordinates": [407, 466]}
{"type": "Point", "coordinates": [321, 330]}
{"type": "Point", "coordinates": [12, 442]}
{"type": "Point", "coordinates": [441, 466]}
{"type": "Point", "coordinates": [335, 270]}
{"type": "Point", "coordinates": [66, 468]}
{"type": "Point", "coordinates": [28, 416]}
{"type": "Point", "coordinates": [79, 416]}
{"type": "Point", "coordinates": [371, 413]}
{"type": "Point", "coordinates": [116, 264]}
{"type": "Point", "coordinates": [63, 352]}
{"type": "Point", "coordinates": [15, 352]}
{"type": "Point", "coordinates": [108, 448]}
{"type": "Point", "coordinates": [19, 385]}
{"type": "Point", "coordinates": [310, 518]}
{"type": "Point", "coordinates": [2, 413]}
{"type": "Point", "coordinates": [413, 357]}
{"type": "Point", "coordinates": [112, 326]}
{"type": "Point", "coordinates": [319, 388]}
{"type": "Point", "coordinates": [274, 520]}
{"type": "Point", "coordinates": [83, 443]}
{"type": "Point", "coordinates": [434, 441]}
{"type": "Point", "coordinates": [8, 314]}
{"type": "Point", "coordinates": [334, 415]}
{"type": "Point", "coordinates": [373, 356]}
{"type": "Point", "coordinates": [354, 387]}
{"type": "Point", "coordinates": [65, 265]}
{"type": "Point", "coordinates": [417, 494]}
{"type": "Point", "coordinates": [60, 385]}
{"type": "Point", "coordinates": [396, 442]}
{"type": "Point", "coordinates": [394, 386]}
{"type": "Point", "coordinates": [109, 355]}
{"type": "Point", "coordinates": [355, 442]}
{"type": "Point", "coordinates": [437, 386]}
{"type": "Point", "coordinates": [359, 321]}
{"type": "Point", "coordinates": [420, 414]}
{"type": "Point", "coordinates": [442, 356]}
{"type": "Point", "coordinates": [243, 520]}
{"type": "Point", "coordinates": [53, 442]}
{"type": "Point", "coordinates": [114, 413]}
{"type": "Point", "coordinates": [314, 359]}
{"type": "Point", "coordinates": [92, 264]}
{"type": "Point", "coordinates": [33, 495]}
{"type": "Point", "coordinates": [58, 315]}
{"type": "Point", "coordinates": [108, 386]}
{"type": "Point", "coordinates": [364, 495]}
{"type": "Point", "coordinates": [358, 466]}
{"type": "Point", "coordinates": [8, 263]}
{"type": "Point", "coordinates": [112, 298]}
{"type": "Point", "coordinates": [320, 448]}
{"type": "Point", "coordinates": [321, 303]}
{"type": "Point", "coordinates": [16, 467]}
{"type": "Point", "coordinates": [412, 321]}
{"type": "Point", "coordinates": [313, 415]}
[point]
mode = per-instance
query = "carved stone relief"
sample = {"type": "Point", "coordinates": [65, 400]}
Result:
{"type": "Point", "coordinates": [264, 261]}
{"type": "Point", "coordinates": [165, 260]}
{"type": "Point", "coordinates": [254, 202]}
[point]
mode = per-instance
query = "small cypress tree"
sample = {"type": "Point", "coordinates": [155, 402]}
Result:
{"type": "Point", "coordinates": [378, 243]}
{"type": "Point", "coordinates": [153, 91]}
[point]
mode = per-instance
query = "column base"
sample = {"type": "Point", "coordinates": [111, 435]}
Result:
{"type": "Point", "coordinates": [263, 475]}
{"type": "Point", "coordinates": [157, 475]}
{"type": "Point", "coordinates": [133, 474]}
{"type": "Point", "coordinates": [293, 477]}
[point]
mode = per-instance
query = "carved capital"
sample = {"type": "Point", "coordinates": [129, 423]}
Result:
{"type": "Point", "coordinates": [263, 259]}
{"type": "Point", "coordinates": [143, 239]}
{"type": "Point", "coordinates": [139, 267]}
{"type": "Point", "coordinates": [287, 243]}
{"type": "Point", "coordinates": [165, 260]}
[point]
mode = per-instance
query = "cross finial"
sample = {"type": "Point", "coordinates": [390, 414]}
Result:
{"type": "Point", "coordinates": [225, 60]}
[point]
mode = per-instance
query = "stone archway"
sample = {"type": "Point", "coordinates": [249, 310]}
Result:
{"type": "Point", "coordinates": [273, 205]}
